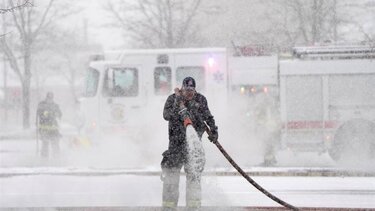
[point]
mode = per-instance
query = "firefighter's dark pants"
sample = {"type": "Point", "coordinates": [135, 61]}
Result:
{"type": "Point", "coordinates": [171, 179]}
{"type": "Point", "coordinates": [49, 138]}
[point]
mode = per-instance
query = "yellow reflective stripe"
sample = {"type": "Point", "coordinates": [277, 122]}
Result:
{"type": "Point", "coordinates": [48, 127]}
{"type": "Point", "coordinates": [170, 204]}
{"type": "Point", "coordinates": [194, 203]}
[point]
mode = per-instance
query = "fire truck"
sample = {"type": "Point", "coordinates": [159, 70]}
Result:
{"type": "Point", "coordinates": [327, 100]}
{"type": "Point", "coordinates": [126, 90]}
{"type": "Point", "coordinates": [323, 95]}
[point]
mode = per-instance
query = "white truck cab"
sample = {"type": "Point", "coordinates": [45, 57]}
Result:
{"type": "Point", "coordinates": [128, 92]}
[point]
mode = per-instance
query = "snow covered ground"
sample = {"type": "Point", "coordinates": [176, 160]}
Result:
{"type": "Point", "coordinates": [104, 177]}
{"type": "Point", "coordinates": [135, 190]}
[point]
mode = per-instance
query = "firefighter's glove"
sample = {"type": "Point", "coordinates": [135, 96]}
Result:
{"type": "Point", "coordinates": [214, 135]}
{"type": "Point", "coordinates": [185, 116]}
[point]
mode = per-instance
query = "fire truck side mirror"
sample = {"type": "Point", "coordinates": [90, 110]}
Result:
{"type": "Point", "coordinates": [96, 57]}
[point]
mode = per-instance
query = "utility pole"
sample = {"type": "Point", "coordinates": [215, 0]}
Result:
{"type": "Point", "coordinates": [5, 90]}
{"type": "Point", "coordinates": [85, 33]}
{"type": "Point", "coordinates": [5, 75]}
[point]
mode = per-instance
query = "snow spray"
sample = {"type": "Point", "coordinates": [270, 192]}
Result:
{"type": "Point", "coordinates": [196, 155]}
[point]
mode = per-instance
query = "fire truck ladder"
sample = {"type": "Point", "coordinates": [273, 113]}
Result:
{"type": "Point", "coordinates": [335, 52]}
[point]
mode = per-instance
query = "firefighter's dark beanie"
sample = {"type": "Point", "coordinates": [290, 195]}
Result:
{"type": "Point", "coordinates": [188, 82]}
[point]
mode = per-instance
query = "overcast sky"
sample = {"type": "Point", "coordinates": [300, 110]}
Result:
{"type": "Point", "coordinates": [97, 20]}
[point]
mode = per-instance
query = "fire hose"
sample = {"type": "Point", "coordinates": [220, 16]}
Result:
{"type": "Point", "coordinates": [247, 177]}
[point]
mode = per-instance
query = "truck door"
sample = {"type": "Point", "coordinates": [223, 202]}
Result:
{"type": "Point", "coordinates": [90, 101]}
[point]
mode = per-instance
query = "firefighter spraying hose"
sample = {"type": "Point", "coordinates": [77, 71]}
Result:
{"type": "Point", "coordinates": [189, 117]}
{"type": "Point", "coordinates": [186, 111]}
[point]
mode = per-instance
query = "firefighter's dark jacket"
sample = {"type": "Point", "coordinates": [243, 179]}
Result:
{"type": "Point", "coordinates": [199, 113]}
{"type": "Point", "coordinates": [47, 115]}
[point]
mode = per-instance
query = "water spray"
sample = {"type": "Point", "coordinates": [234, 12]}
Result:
{"type": "Point", "coordinates": [196, 154]}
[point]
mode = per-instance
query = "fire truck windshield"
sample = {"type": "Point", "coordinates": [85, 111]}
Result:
{"type": "Point", "coordinates": [121, 82]}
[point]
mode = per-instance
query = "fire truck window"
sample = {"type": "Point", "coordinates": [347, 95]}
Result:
{"type": "Point", "coordinates": [121, 82]}
{"type": "Point", "coordinates": [197, 72]}
{"type": "Point", "coordinates": [92, 82]}
{"type": "Point", "coordinates": [162, 80]}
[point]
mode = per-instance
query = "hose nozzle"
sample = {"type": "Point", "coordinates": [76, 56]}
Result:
{"type": "Point", "coordinates": [185, 117]}
{"type": "Point", "coordinates": [187, 121]}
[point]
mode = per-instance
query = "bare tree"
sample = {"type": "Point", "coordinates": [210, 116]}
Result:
{"type": "Point", "coordinates": [4, 10]}
{"type": "Point", "coordinates": [363, 22]}
{"type": "Point", "coordinates": [305, 22]}
{"type": "Point", "coordinates": [157, 23]}
{"type": "Point", "coordinates": [28, 23]}
{"type": "Point", "coordinates": [26, 3]}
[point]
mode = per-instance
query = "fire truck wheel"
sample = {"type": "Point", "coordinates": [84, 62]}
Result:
{"type": "Point", "coordinates": [354, 140]}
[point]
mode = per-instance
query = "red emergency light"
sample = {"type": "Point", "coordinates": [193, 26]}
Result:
{"type": "Point", "coordinates": [211, 62]}
{"type": "Point", "coordinates": [253, 89]}
{"type": "Point", "coordinates": [265, 89]}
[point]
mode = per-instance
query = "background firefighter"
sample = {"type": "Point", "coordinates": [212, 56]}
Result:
{"type": "Point", "coordinates": [47, 126]}
{"type": "Point", "coordinates": [267, 126]}
{"type": "Point", "coordinates": [183, 103]}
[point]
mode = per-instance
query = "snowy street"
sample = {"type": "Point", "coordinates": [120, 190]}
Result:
{"type": "Point", "coordinates": [28, 181]}
{"type": "Point", "coordinates": [129, 190]}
